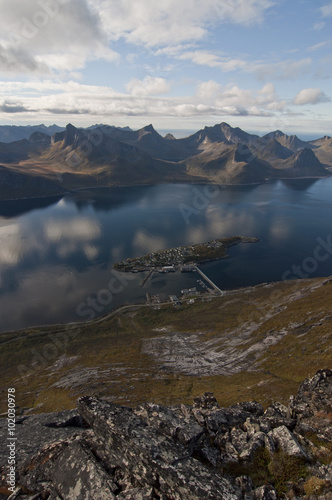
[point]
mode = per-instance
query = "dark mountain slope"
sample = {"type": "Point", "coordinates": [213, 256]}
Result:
{"type": "Point", "coordinates": [16, 151]}
{"type": "Point", "coordinates": [109, 160]}
{"type": "Point", "coordinates": [106, 155]}
{"type": "Point", "coordinates": [233, 164]}
{"type": "Point", "coordinates": [322, 141]}
{"type": "Point", "coordinates": [324, 150]}
{"type": "Point", "coordinates": [291, 142]}
{"type": "Point", "coordinates": [15, 184]}
{"type": "Point", "coordinates": [271, 150]}
{"type": "Point", "coordinates": [148, 140]}
{"type": "Point", "coordinates": [304, 163]}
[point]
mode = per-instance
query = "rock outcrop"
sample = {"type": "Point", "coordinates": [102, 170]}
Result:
{"type": "Point", "coordinates": [106, 451]}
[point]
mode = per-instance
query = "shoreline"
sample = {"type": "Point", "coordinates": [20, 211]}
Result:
{"type": "Point", "coordinates": [114, 312]}
{"type": "Point", "coordinates": [184, 255]}
{"type": "Point", "coordinates": [197, 183]}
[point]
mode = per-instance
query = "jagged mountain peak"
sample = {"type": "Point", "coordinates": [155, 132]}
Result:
{"type": "Point", "coordinates": [307, 162]}
{"type": "Point", "coordinates": [291, 142]}
{"type": "Point", "coordinates": [149, 128]}
{"type": "Point", "coordinates": [269, 146]}
{"type": "Point", "coordinates": [213, 134]}
{"type": "Point", "coordinates": [221, 126]}
{"type": "Point", "coordinates": [306, 154]}
{"type": "Point", "coordinates": [226, 133]}
{"type": "Point", "coordinates": [70, 136]}
{"type": "Point", "coordinates": [147, 133]}
{"type": "Point", "coordinates": [274, 134]}
{"type": "Point", "coordinates": [169, 137]}
{"type": "Point", "coordinates": [39, 138]}
{"type": "Point", "coordinates": [149, 157]}
{"type": "Point", "coordinates": [322, 141]}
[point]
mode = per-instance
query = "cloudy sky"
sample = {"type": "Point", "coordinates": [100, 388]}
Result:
{"type": "Point", "coordinates": [179, 64]}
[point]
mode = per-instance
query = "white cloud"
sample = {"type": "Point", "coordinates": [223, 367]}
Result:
{"type": "Point", "coordinates": [283, 70]}
{"type": "Point", "coordinates": [40, 36]}
{"type": "Point", "coordinates": [72, 98]}
{"type": "Point", "coordinates": [148, 86]}
{"type": "Point", "coordinates": [243, 11]}
{"type": "Point", "coordinates": [319, 26]}
{"type": "Point", "coordinates": [174, 50]}
{"type": "Point", "coordinates": [268, 90]}
{"type": "Point", "coordinates": [236, 97]}
{"type": "Point", "coordinates": [206, 58]}
{"type": "Point", "coordinates": [326, 10]}
{"type": "Point", "coordinates": [208, 91]}
{"type": "Point", "coordinates": [45, 36]}
{"type": "Point", "coordinates": [46, 100]}
{"type": "Point", "coordinates": [310, 96]}
{"type": "Point", "coordinates": [145, 243]}
{"type": "Point", "coordinates": [289, 69]}
{"type": "Point", "coordinates": [77, 229]}
{"type": "Point", "coordinates": [318, 46]}
{"type": "Point", "coordinates": [11, 245]}
{"type": "Point", "coordinates": [172, 22]}
{"type": "Point", "coordinates": [18, 60]}
{"type": "Point", "coordinates": [269, 99]}
{"type": "Point", "coordinates": [236, 101]}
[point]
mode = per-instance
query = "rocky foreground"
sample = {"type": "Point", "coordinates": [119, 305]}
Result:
{"type": "Point", "coordinates": [105, 451]}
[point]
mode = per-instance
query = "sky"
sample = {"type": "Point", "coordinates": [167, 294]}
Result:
{"type": "Point", "coordinates": [178, 64]}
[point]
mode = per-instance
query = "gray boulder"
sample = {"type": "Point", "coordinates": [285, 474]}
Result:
{"type": "Point", "coordinates": [154, 452]}
{"type": "Point", "coordinates": [153, 458]}
{"type": "Point", "coordinates": [256, 441]}
{"type": "Point", "coordinates": [286, 442]}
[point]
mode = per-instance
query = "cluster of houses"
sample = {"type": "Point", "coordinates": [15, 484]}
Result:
{"type": "Point", "coordinates": [166, 261]}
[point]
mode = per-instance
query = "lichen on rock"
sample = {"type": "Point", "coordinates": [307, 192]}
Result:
{"type": "Point", "coordinates": [103, 450]}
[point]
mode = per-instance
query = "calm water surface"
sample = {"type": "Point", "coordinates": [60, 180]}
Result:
{"type": "Point", "coordinates": [56, 254]}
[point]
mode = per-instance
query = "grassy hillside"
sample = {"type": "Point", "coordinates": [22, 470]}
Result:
{"type": "Point", "coordinates": [254, 343]}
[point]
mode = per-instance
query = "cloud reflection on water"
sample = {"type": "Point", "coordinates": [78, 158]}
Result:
{"type": "Point", "coordinates": [54, 257]}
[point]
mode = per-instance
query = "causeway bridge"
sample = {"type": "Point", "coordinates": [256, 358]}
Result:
{"type": "Point", "coordinates": [214, 286]}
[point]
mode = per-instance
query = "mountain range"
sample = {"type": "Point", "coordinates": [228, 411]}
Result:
{"type": "Point", "coordinates": [11, 133]}
{"type": "Point", "coordinates": [51, 160]}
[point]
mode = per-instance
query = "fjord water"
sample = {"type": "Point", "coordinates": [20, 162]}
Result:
{"type": "Point", "coordinates": [56, 254]}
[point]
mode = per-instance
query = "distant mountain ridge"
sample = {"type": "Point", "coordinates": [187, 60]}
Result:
{"type": "Point", "coordinates": [291, 142]}
{"type": "Point", "coordinates": [103, 155]}
{"type": "Point", "coordinates": [11, 133]}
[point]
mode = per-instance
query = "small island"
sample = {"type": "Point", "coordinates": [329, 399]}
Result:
{"type": "Point", "coordinates": [183, 258]}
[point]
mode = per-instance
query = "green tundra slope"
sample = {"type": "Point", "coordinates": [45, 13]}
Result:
{"type": "Point", "coordinates": [254, 343]}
